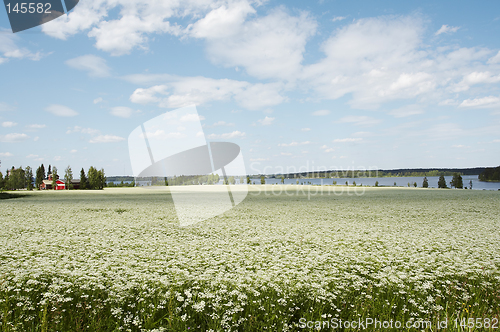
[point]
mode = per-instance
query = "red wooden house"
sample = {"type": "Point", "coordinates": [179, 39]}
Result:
{"type": "Point", "coordinates": [47, 184]}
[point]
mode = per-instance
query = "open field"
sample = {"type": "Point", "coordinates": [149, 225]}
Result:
{"type": "Point", "coordinates": [116, 260]}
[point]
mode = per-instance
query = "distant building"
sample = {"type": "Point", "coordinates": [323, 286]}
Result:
{"type": "Point", "coordinates": [47, 184]}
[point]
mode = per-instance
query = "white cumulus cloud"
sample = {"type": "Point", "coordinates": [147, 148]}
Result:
{"type": "Point", "coordinates": [61, 110]}
{"type": "Point", "coordinates": [8, 124]}
{"type": "Point", "coordinates": [234, 134]}
{"type": "Point", "coordinates": [13, 138]}
{"type": "Point", "coordinates": [446, 29]}
{"type": "Point", "coordinates": [106, 139]}
{"type": "Point", "coordinates": [121, 111]}
{"type": "Point", "coordinates": [92, 64]}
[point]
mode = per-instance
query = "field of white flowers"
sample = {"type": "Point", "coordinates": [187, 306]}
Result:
{"type": "Point", "coordinates": [116, 260]}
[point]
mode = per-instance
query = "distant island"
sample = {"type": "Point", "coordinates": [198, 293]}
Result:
{"type": "Point", "coordinates": [380, 173]}
{"type": "Point", "coordinates": [490, 174]}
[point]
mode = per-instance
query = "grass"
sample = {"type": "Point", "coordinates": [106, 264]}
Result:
{"type": "Point", "coordinates": [116, 260]}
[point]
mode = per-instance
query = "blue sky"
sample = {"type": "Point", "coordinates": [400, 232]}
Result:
{"type": "Point", "coordinates": [328, 84]}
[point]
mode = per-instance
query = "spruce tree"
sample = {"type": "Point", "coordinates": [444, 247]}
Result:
{"type": "Point", "coordinates": [442, 182]}
{"type": "Point", "coordinates": [425, 184]}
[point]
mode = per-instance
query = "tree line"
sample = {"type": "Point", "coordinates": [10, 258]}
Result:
{"type": "Point", "coordinates": [490, 174]}
{"type": "Point", "coordinates": [19, 178]}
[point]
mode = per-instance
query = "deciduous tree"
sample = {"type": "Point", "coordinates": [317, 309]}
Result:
{"type": "Point", "coordinates": [68, 177]}
{"type": "Point", "coordinates": [54, 177]}
{"type": "Point", "coordinates": [28, 173]}
{"type": "Point", "coordinates": [457, 181]}
{"type": "Point", "coordinates": [83, 180]}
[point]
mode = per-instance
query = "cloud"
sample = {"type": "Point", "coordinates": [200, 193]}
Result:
{"type": "Point", "coordinates": [8, 124]}
{"type": "Point", "coordinates": [460, 146]}
{"type": "Point", "coordinates": [96, 136]}
{"type": "Point", "coordinates": [78, 129]}
{"type": "Point", "coordinates": [347, 140]}
{"type": "Point", "coordinates": [4, 107]}
{"type": "Point", "coordinates": [267, 47]}
{"type": "Point", "coordinates": [374, 60]}
{"type": "Point", "coordinates": [130, 30]}
{"type": "Point", "coordinates": [234, 134]}
{"type": "Point", "coordinates": [9, 49]}
{"type": "Point", "coordinates": [221, 123]}
{"type": "Point", "coordinates": [294, 143]}
{"type": "Point", "coordinates": [495, 59]}
{"type": "Point", "coordinates": [321, 113]}
{"type": "Point", "coordinates": [6, 154]}
{"type": "Point", "coordinates": [364, 121]}
{"type": "Point", "coordinates": [121, 111]}
{"type": "Point", "coordinates": [60, 110]}
{"type": "Point", "coordinates": [191, 118]}
{"type": "Point", "coordinates": [73, 151]}
{"type": "Point", "coordinates": [266, 121]}
{"type": "Point", "coordinates": [35, 126]}
{"type": "Point", "coordinates": [446, 29]}
{"type": "Point", "coordinates": [98, 100]}
{"type": "Point", "coordinates": [13, 138]}
{"type": "Point", "coordinates": [406, 111]}
{"type": "Point", "coordinates": [185, 91]}
{"type": "Point", "coordinates": [327, 149]}
{"type": "Point", "coordinates": [92, 64]}
{"type": "Point", "coordinates": [338, 18]}
{"type": "Point", "coordinates": [305, 129]}
{"type": "Point", "coordinates": [259, 159]}
{"type": "Point", "coordinates": [106, 139]}
{"type": "Point", "coordinates": [286, 153]}
{"type": "Point", "coordinates": [32, 156]}
{"type": "Point", "coordinates": [485, 102]}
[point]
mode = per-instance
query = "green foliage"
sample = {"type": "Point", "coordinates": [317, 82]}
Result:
{"type": "Point", "coordinates": [376, 183]}
{"type": "Point", "coordinates": [354, 183]}
{"type": "Point", "coordinates": [490, 174]}
{"type": "Point", "coordinates": [442, 182]}
{"type": "Point", "coordinates": [457, 181]}
{"type": "Point", "coordinates": [16, 179]}
{"type": "Point", "coordinates": [54, 177]}
{"type": "Point", "coordinates": [84, 182]}
{"type": "Point", "coordinates": [2, 181]}
{"type": "Point", "coordinates": [68, 177]}
{"type": "Point", "coordinates": [40, 176]}
{"type": "Point", "coordinates": [28, 172]}
{"type": "Point", "coordinates": [262, 180]}
{"type": "Point", "coordinates": [282, 180]}
{"type": "Point", "coordinates": [425, 184]}
{"type": "Point", "coordinates": [415, 184]}
{"type": "Point", "coordinates": [94, 178]}
{"type": "Point", "coordinates": [248, 179]}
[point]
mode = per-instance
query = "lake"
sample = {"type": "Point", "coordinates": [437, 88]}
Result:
{"type": "Point", "coordinates": [389, 181]}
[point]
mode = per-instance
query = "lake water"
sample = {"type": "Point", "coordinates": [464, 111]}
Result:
{"type": "Point", "coordinates": [389, 181]}
{"type": "Point", "coordinates": [382, 182]}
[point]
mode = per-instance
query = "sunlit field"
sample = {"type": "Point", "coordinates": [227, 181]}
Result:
{"type": "Point", "coordinates": [116, 260]}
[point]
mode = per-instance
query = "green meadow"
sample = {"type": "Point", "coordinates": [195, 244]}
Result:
{"type": "Point", "coordinates": [117, 260]}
